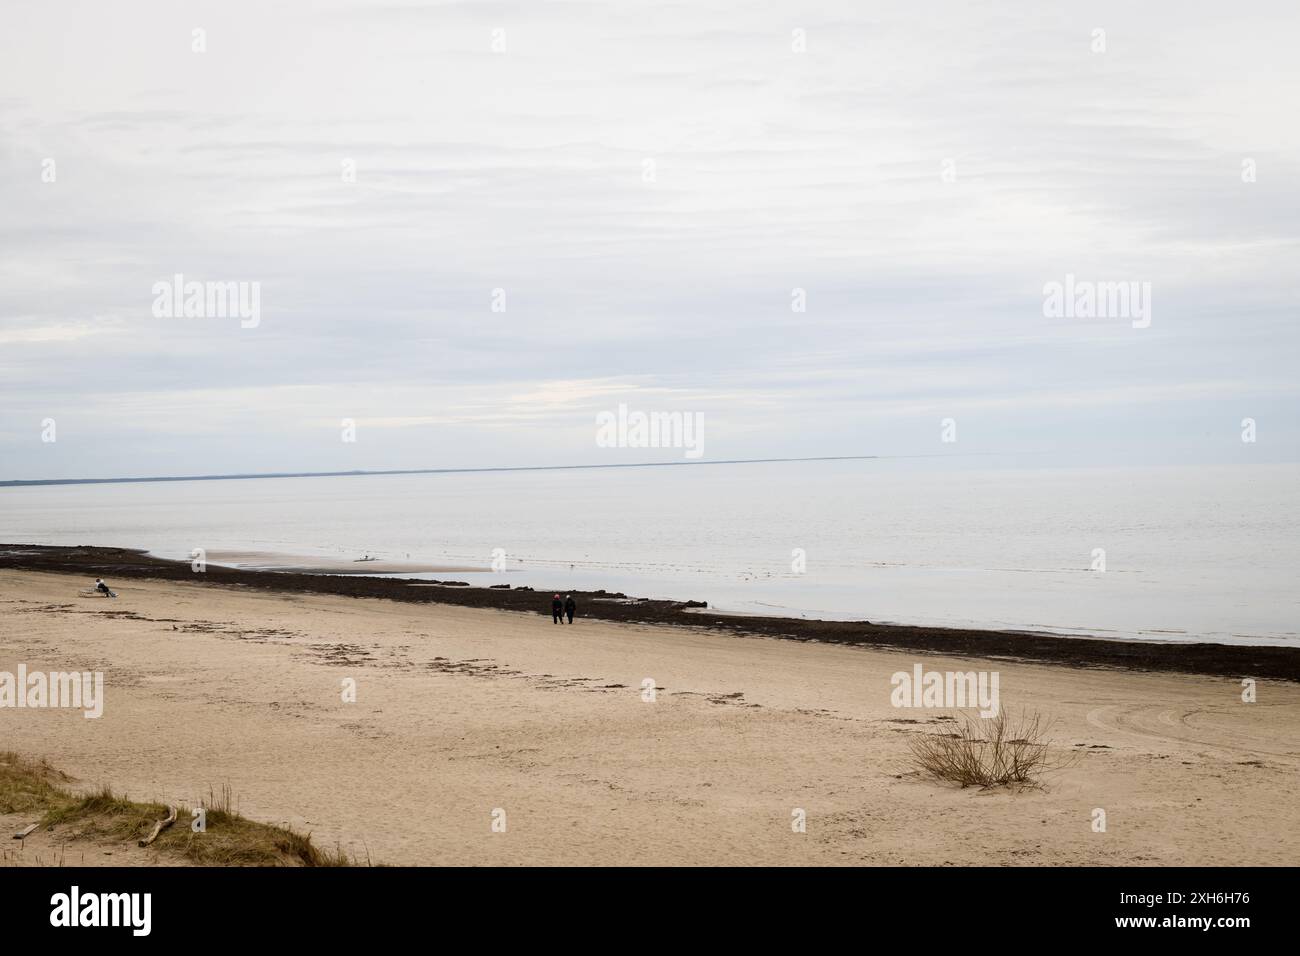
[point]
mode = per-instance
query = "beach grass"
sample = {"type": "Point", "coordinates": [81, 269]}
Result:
{"type": "Point", "coordinates": [36, 789]}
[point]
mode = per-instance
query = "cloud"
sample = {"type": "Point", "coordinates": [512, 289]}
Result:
{"type": "Point", "coordinates": [646, 185]}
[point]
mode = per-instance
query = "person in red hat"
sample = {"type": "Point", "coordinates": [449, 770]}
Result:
{"type": "Point", "coordinates": [557, 610]}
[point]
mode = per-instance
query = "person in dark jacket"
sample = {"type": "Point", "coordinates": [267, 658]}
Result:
{"type": "Point", "coordinates": [104, 589]}
{"type": "Point", "coordinates": [557, 610]}
{"type": "Point", "coordinates": [570, 605]}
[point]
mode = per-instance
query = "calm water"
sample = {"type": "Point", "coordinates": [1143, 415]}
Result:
{"type": "Point", "coordinates": [1190, 553]}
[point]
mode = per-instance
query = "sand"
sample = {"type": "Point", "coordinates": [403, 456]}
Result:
{"type": "Point", "coordinates": [53, 848]}
{"type": "Point", "coordinates": [464, 711]}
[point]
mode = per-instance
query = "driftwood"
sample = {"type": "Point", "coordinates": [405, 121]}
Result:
{"type": "Point", "coordinates": [26, 832]}
{"type": "Point", "coordinates": [160, 826]}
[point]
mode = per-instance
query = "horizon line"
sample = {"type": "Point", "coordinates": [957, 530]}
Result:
{"type": "Point", "coordinates": [248, 476]}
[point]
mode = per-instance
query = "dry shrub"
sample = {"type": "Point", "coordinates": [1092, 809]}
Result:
{"type": "Point", "coordinates": [987, 752]}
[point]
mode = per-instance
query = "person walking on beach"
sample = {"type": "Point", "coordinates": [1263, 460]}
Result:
{"type": "Point", "coordinates": [570, 605]}
{"type": "Point", "coordinates": [557, 610]}
{"type": "Point", "coordinates": [103, 588]}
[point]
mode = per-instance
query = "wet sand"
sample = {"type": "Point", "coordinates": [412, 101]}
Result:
{"type": "Point", "coordinates": [461, 712]}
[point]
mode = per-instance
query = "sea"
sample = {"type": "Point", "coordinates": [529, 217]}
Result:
{"type": "Point", "coordinates": [1179, 553]}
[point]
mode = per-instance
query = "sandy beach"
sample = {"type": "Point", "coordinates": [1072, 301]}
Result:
{"type": "Point", "coordinates": [462, 713]}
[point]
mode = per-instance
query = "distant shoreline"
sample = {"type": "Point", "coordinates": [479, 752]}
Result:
{"type": "Point", "coordinates": [30, 482]}
{"type": "Point", "coordinates": [1221, 660]}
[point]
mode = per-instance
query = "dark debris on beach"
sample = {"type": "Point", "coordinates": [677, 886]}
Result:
{"type": "Point", "coordinates": [1221, 660]}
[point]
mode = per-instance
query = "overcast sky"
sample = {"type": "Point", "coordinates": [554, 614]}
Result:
{"type": "Point", "coordinates": [648, 182]}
